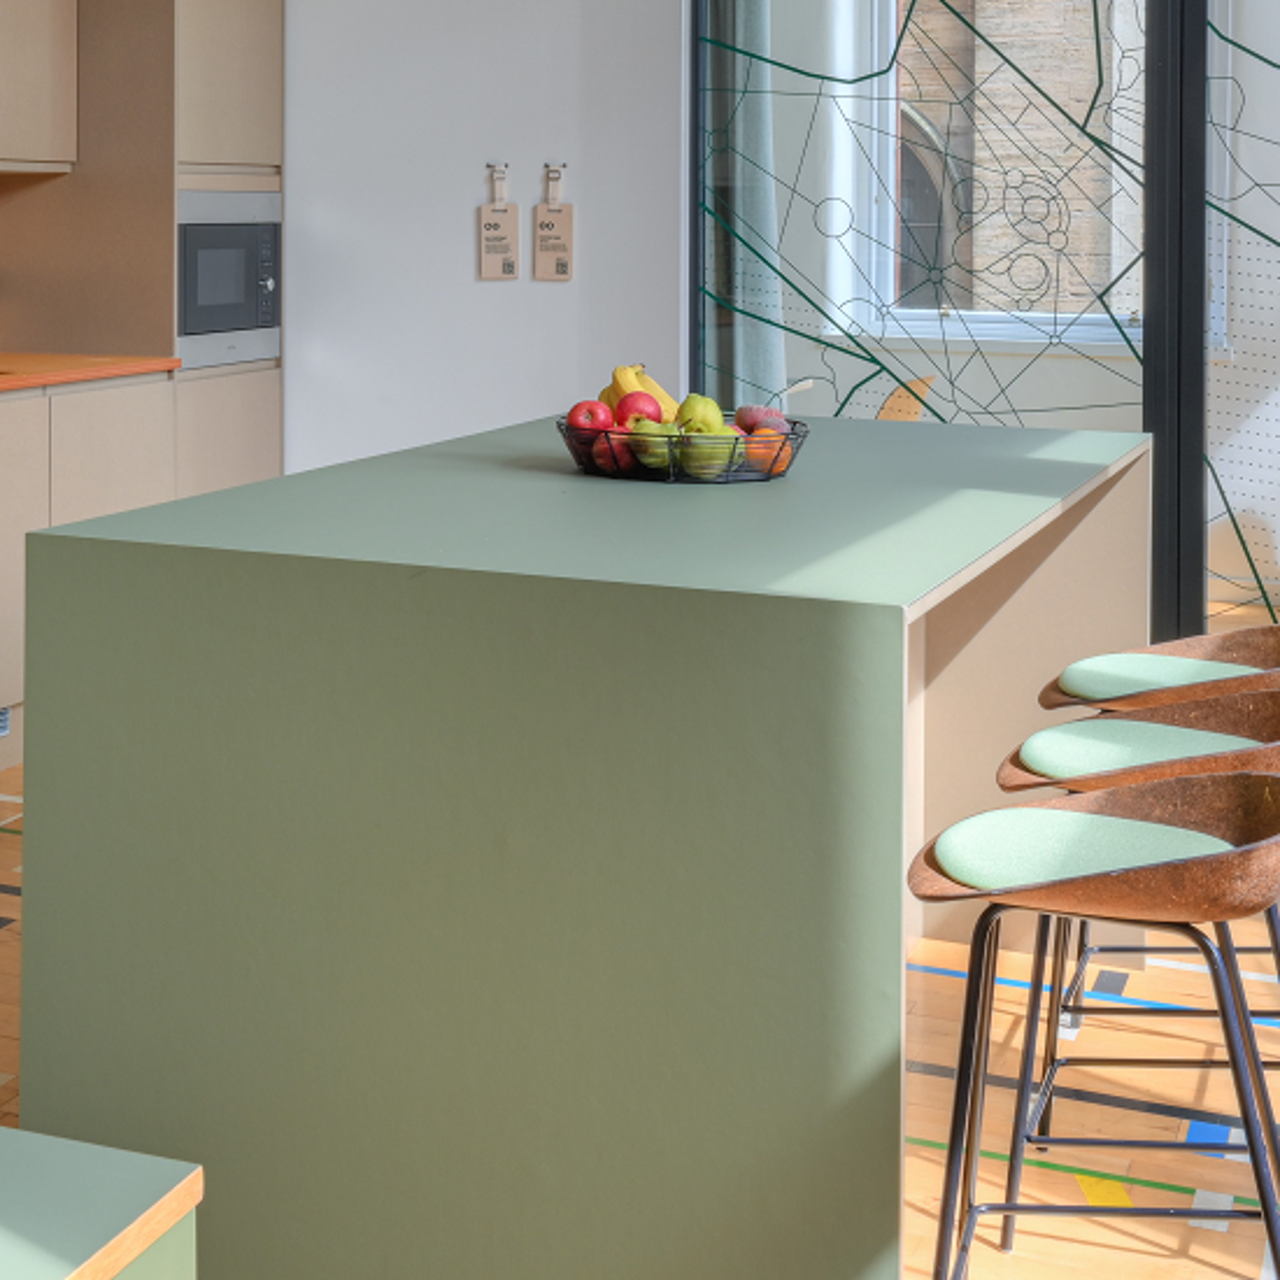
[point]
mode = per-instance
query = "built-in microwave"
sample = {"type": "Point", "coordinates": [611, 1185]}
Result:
{"type": "Point", "coordinates": [228, 277]}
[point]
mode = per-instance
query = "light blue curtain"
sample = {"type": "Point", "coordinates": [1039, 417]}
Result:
{"type": "Point", "coordinates": [745, 353]}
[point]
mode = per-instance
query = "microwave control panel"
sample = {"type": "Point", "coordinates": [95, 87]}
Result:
{"type": "Point", "coordinates": [268, 253]}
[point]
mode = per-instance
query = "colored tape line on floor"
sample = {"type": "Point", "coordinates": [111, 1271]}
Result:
{"type": "Point", "coordinates": [1104, 1192]}
{"type": "Point", "coordinates": [1097, 1174]}
{"type": "Point", "coordinates": [1100, 997]}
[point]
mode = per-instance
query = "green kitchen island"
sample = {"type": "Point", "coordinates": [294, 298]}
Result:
{"type": "Point", "coordinates": [494, 873]}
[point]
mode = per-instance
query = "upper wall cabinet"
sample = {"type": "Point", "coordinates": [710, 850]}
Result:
{"type": "Point", "coordinates": [37, 84]}
{"type": "Point", "coordinates": [230, 82]}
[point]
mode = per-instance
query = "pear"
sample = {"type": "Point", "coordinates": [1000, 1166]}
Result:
{"type": "Point", "coordinates": [700, 414]}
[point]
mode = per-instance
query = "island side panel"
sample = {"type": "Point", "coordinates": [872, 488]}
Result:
{"type": "Point", "coordinates": [466, 924]}
{"type": "Point", "coordinates": [1078, 587]}
{"type": "Point", "coordinates": [171, 1257]}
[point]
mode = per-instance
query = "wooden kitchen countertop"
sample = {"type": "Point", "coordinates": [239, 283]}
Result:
{"type": "Point", "coordinates": [20, 370]}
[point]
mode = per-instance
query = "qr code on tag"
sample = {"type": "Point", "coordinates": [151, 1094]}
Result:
{"type": "Point", "coordinates": [562, 266]}
{"type": "Point", "coordinates": [508, 266]}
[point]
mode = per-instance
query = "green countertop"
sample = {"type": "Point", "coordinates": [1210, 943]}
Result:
{"type": "Point", "coordinates": [872, 512]}
{"type": "Point", "coordinates": [62, 1202]}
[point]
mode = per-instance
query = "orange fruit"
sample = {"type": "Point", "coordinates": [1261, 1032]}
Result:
{"type": "Point", "coordinates": [768, 450]}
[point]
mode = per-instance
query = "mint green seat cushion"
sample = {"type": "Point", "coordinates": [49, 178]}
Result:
{"type": "Point", "coordinates": [1094, 746]}
{"type": "Point", "coordinates": [1111, 675]}
{"type": "Point", "coordinates": [1005, 848]}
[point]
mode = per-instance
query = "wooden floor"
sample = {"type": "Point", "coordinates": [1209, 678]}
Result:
{"type": "Point", "coordinates": [1180, 1105]}
{"type": "Point", "coordinates": [10, 938]}
{"type": "Point", "coordinates": [1226, 615]}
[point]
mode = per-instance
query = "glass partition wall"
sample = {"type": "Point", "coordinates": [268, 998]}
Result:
{"type": "Point", "coordinates": [936, 197]}
{"type": "Point", "coordinates": [934, 208]}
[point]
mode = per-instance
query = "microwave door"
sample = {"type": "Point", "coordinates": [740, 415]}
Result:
{"type": "Point", "coordinates": [219, 278]}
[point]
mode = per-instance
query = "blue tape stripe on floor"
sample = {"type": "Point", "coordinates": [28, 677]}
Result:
{"type": "Point", "coordinates": [1199, 1131]}
{"type": "Point", "coordinates": [1099, 996]}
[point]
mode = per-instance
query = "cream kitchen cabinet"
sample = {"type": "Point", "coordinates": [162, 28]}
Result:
{"type": "Point", "coordinates": [230, 82]}
{"type": "Point", "coordinates": [24, 464]}
{"type": "Point", "coordinates": [229, 427]}
{"type": "Point", "coordinates": [79, 449]}
{"type": "Point", "coordinates": [37, 85]}
{"type": "Point", "coordinates": [111, 447]}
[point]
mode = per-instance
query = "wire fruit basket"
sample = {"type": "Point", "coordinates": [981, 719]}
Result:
{"type": "Point", "coordinates": [684, 459]}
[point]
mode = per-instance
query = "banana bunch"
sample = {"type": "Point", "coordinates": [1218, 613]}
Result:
{"type": "Point", "coordinates": [632, 377]}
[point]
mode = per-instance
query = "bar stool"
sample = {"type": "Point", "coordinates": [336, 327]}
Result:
{"type": "Point", "coordinates": [1176, 671]}
{"type": "Point", "coordinates": [1233, 733]}
{"type": "Point", "coordinates": [1239, 732]}
{"type": "Point", "coordinates": [1163, 854]}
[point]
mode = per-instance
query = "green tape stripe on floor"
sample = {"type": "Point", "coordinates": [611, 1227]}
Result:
{"type": "Point", "coordinates": [1087, 1173]}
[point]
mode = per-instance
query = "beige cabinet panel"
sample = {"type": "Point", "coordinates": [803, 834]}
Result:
{"type": "Point", "coordinates": [24, 464]}
{"type": "Point", "coordinates": [38, 80]}
{"type": "Point", "coordinates": [230, 81]}
{"type": "Point", "coordinates": [229, 430]}
{"type": "Point", "coordinates": [111, 449]}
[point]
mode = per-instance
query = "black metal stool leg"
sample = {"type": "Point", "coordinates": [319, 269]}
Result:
{"type": "Point", "coordinates": [982, 1055]}
{"type": "Point", "coordinates": [973, 997]}
{"type": "Point", "coordinates": [1245, 1065]}
{"type": "Point", "coordinates": [1266, 1111]}
{"type": "Point", "coordinates": [1026, 1077]}
{"type": "Point", "coordinates": [1057, 980]}
{"type": "Point", "coordinates": [1272, 917]}
{"type": "Point", "coordinates": [1082, 945]}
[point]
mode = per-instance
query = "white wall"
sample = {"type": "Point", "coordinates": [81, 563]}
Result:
{"type": "Point", "coordinates": [392, 109]}
{"type": "Point", "coordinates": [1244, 366]}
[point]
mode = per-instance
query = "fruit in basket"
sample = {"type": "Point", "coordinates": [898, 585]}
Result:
{"type": "Point", "coordinates": [611, 453]}
{"type": "Point", "coordinates": [651, 442]}
{"type": "Point", "coordinates": [641, 413]}
{"type": "Point", "coordinates": [590, 415]}
{"type": "Point", "coordinates": [626, 378]}
{"type": "Point", "coordinates": [632, 377]}
{"type": "Point", "coordinates": [700, 414]}
{"type": "Point", "coordinates": [707, 455]}
{"type": "Point", "coordinates": [709, 445]}
{"type": "Point", "coordinates": [637, 406]}
{"type": "Point", "coordinates": [752, 416]}
{"type": "Point", "coordinates": [667, 402]}
{"type": "Point", "coordinates": [768, 450]}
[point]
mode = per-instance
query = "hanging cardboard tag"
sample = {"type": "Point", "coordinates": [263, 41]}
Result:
{"type": "Point", "coordinates": [499, 241]}
{"type": "Point", "coordinates": [553, 242]}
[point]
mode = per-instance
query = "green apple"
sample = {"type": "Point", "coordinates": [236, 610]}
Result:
{"type": "Point", "coordinates": [707, 455]}
{"type": "Point", "coordinates": [651, 442]}
{"type": "Point", "coordinates": [710, 445]}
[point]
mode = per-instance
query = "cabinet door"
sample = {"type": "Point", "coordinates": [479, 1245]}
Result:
{"type": "Point", "coordinates": [24, 464]}
{"type": "Point", "coordinates": [229, 430]}
{"type": "Point", "coordinates": [37, 81]}
{"type": "Point", "coordinates": [111, 448]}
{"type": "Point", "coordinates": [230, 81]}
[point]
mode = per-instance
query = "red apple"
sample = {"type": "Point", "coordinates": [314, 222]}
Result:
{"type": "Point", "coordinates": [590, 415]}
{"type": "Point", "coordinates": [750, 417]}
{"type": "Point", "coordinates": [637, 404]}
{"type": "Point", "coordinates": [611, 453]}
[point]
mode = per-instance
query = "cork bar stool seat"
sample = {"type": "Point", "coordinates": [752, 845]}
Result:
{"type": "Point", "coordinates": [1176, 671]}
{"type": "Point", "coordinates": [1167, 854]}
{"type": "Point", "coordinates": [1235, 733]}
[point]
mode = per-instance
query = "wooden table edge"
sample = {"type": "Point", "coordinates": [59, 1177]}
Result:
{"type": "Point", "coordinates": [144, 1231]}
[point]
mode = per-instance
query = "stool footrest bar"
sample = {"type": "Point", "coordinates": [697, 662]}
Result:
{"type": "Point", "coordinates": [1130, 1144]}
